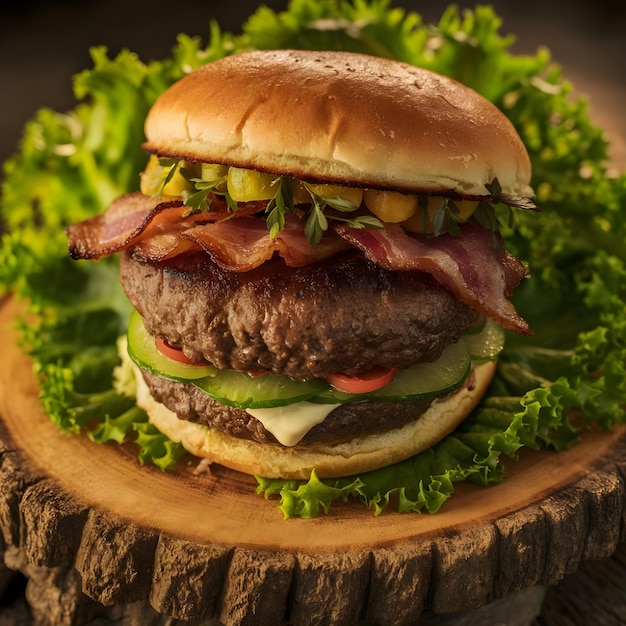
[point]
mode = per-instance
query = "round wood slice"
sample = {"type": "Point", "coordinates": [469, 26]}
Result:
{"type": "Point", "coordinates": [101, 530]}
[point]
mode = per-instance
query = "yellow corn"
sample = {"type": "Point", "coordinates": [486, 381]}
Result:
{"type": "Point", "coordinates": [354, 195]}
{"type": "Point", "coordinates": [420, 223]}
{"type": "Point", "coordinates": [466, 208]}
{"type": "Point", "coordinates": [417, 221]}
{"type": "Point", "coordinates": [391, 206]}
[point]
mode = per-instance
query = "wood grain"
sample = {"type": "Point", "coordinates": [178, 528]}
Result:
{"type": "Point", "coordinates": [112, 534]}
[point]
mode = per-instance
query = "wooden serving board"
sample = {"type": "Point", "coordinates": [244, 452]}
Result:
{"type": "Point", "coordinates": [103, 531]}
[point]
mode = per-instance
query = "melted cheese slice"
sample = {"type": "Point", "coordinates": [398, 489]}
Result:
{"type": "Point", "coordinates": [289, 424]}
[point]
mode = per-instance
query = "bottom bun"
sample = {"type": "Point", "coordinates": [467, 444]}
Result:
{"type": "Point", "coordinates": [361, 454]}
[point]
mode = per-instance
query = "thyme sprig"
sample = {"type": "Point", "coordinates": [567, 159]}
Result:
{"type": "Point", "coordinates": [485, 213]}
{"type": "Point", "coordinates": [500, 197]}
{"type": "Point", "coordinates": [199, 200]}
{"type": "Point", "coordinates": [317, 221]}
{"type": "Point", "coordinates": [446, 217]}
{"type": "Point", "coordinates": [281, 205]}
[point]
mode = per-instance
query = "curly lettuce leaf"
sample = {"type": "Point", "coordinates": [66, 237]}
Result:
{"type": "Point", "coordinates": [373, 28]}
{"type": "Point", "coordinates": [70, 166]}
{"type": "Point", "coordinates": [80, 311]}
{"type": "Point", "coordinates": [547, 390]}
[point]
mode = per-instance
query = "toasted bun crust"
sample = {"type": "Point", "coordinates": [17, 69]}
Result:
{"type": "Point", "coordinates": [359, 455]}
{"type": "Point", "coordinates": [340, 117]}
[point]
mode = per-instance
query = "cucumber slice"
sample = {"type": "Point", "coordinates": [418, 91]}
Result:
{"type": "Point", "coordinates": [486, 344]}
{"type": "Point", "coordinates": [270, 390]}
{"type": "Point", "coordinates": [229, 387]}
{"type": "Point", "coordinates": [424, 380]}
{"type": "Point", "coordinates": [143, 351]}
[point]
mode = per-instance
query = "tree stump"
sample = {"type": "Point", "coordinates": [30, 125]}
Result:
{"type": "Point", "coordinates": [100, 536]}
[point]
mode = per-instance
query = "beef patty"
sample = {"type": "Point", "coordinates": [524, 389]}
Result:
{"type": "Point", "coordinates": [341, 315]}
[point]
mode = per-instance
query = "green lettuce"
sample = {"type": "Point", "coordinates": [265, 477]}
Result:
{"type": "Point", "coordinates": [548, 389]}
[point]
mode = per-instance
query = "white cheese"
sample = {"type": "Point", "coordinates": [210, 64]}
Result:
{"type": "Point", "coordinates": [289, 424]}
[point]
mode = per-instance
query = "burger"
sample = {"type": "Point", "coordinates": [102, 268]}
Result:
{"type": "Point", "coordinates": [314, 260]}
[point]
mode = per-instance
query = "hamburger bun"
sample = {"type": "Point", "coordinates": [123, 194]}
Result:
{"type": "Point", "coordinates": [340, 117]}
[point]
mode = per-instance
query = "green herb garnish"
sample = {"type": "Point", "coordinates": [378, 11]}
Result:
{"type": "Point", "coordinates": [280, 206]}
{"type": "Point", "coordinates": [317, 220]}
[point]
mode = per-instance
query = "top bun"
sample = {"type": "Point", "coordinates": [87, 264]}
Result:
{"type": "Point", "coordinates": [340, 117]}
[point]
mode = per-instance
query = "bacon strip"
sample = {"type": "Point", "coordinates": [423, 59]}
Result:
{"type": "Point", "coordinates": [244, 243]}
{"type": "Point", "coordinates": [134, 218]}
{"type": "Point", "coordinates": [157, 231]}
{"type": "Point", "coordinates": [122, 224]}
{"type": "Point", "coordinates": [479, 273]}
{"type": "Point", "coordinates": [164, 245]}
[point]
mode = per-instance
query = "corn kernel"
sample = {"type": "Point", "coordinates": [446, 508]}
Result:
{"type": "Point", "coordinates": [466, 208]}
{"type": "Point", "coordinates": [422, 220]}
{"type": "Point", "coordinates": [246, 185]}
{"type": "Point", "coordinates": [418, 223]}
{"type": "Point", "coordinates": [391, 206]}
{"type": "Point", "coordinates": [354, 195]}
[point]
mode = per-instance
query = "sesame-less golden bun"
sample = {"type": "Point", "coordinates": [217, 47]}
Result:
{"type": "Point", "coordinates": [360, 454]}
{"type": "Point", "coordinates": [340, 117]}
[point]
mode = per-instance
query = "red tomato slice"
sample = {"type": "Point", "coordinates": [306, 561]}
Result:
{"type": "Point", "coordinates": [174, 353]}
{"type": "Point", "coordinates": [256, 373]}
{"type": "Point", "coordinates": [371, 380]}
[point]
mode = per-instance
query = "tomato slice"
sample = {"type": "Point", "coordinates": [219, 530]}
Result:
{"type": "Point", "coordinates": [371, 380]}
{"type": "Point", "coordinates": [256, 373]}
{"type": "Point", "coordinates": [174, 353]}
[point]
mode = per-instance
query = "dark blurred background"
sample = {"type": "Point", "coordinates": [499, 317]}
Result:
{"type": "Point", "coordinates": [44, 43]}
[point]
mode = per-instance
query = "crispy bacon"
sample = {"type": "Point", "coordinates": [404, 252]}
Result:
{"type": "Point", "coordinates": [122, 224]}
{"type": "Point", "coordinates": [134, 219]}
{"type": "Point", "coordinates": [244, 243]}
{"type": "Point", "coordinates": [164, 245]}
{"type": "Point", "coordinates": [478, 271]}
{"type": "Point", "coordinates": [159, 230]}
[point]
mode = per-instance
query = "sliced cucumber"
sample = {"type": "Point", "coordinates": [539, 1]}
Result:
{"type": "Point", "coordinates": [242, 390]}
{"type": "Point", "coordinates": [144, 353]}
{"type": "Point", "coordinates": [486, 344]}
{"type": "Point", "coordinates": [424, 380]}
